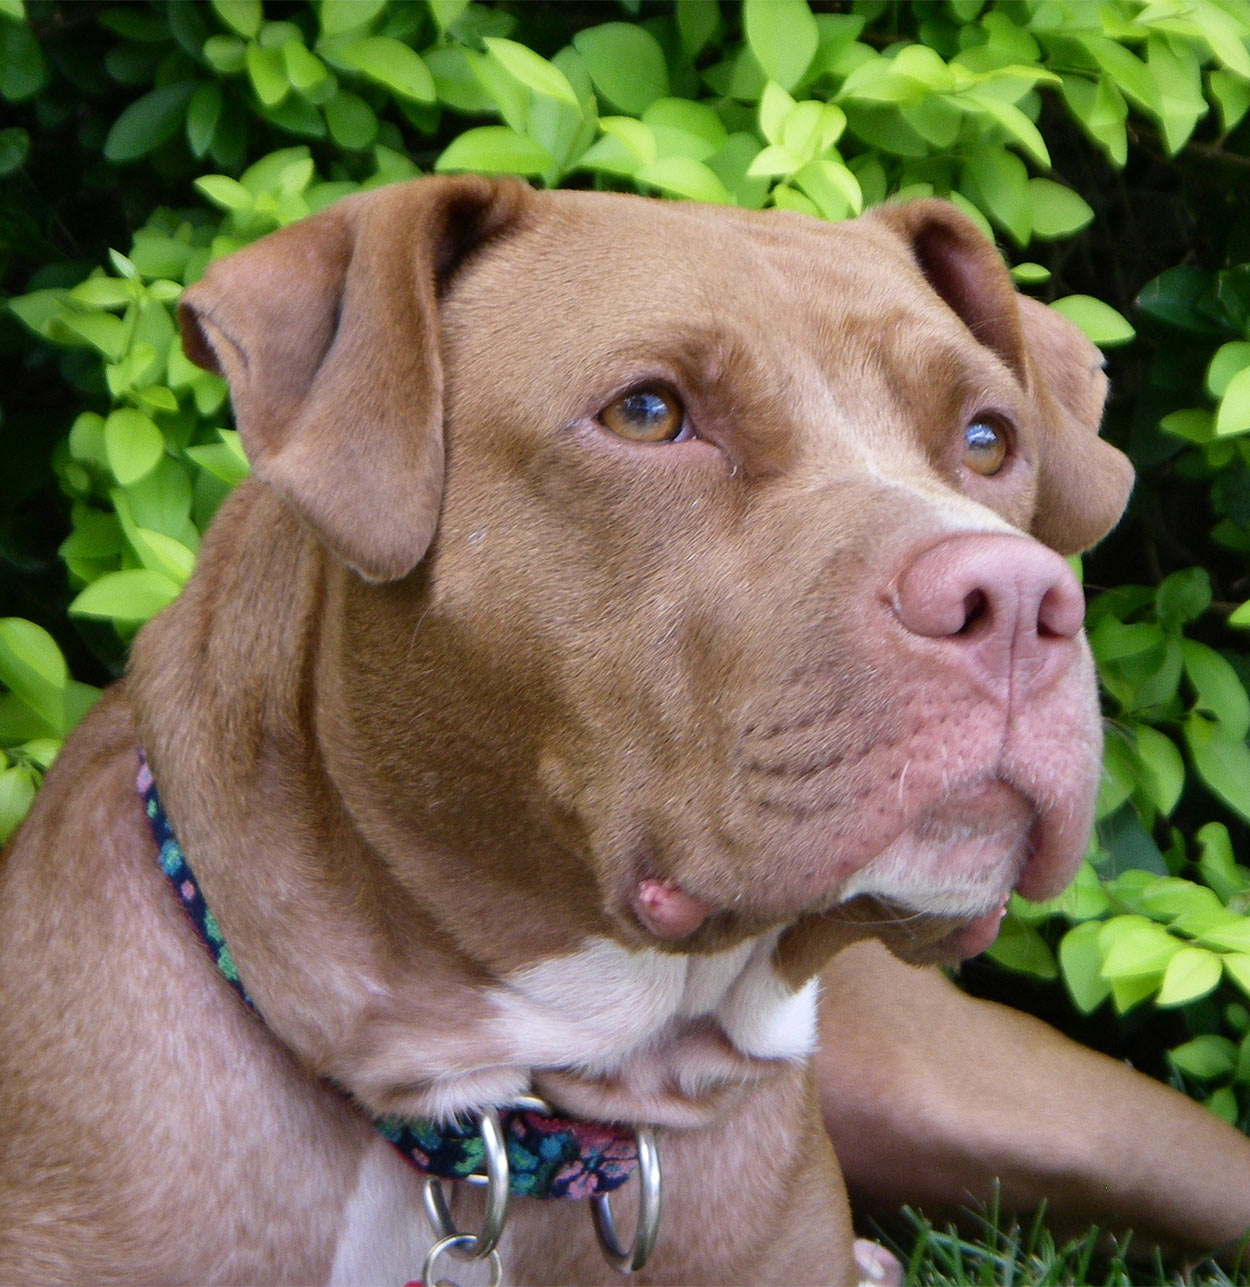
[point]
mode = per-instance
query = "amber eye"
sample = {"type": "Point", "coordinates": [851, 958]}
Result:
{"type": "Point", "coordinates": [645, 415]}
{"type": "Point", "coordinates": [985, 447]}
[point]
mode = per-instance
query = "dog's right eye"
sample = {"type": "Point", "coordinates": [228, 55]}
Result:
{"type": "Point", "coordinates": [649, 414]}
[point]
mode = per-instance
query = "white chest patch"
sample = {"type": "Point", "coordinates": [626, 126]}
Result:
{"type": "Point", "coordinates": [595, 1008]}
{"type": "Point", "coordinates": [385, 1235]}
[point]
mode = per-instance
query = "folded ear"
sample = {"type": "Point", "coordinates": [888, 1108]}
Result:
{"type": "Point", "coordinates": [1083, 482]}
{"type": "Point", "coordinates": [328, 334]}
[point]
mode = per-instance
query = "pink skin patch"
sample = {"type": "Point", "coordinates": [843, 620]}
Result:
{"type": "Point", "coordinates": [667, 910]}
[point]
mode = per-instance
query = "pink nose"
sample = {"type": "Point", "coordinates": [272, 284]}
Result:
{"type": "Point", "coordinates": [1007, 609]}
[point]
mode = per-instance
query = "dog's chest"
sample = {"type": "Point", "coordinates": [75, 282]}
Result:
{"type": "Point", "coordinates": [596, 1008]}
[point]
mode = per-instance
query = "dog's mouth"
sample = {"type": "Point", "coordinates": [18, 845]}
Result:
{"type": "Point", "coordinates": [937, 891]}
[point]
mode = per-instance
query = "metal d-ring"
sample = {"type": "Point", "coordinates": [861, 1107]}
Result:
{"type": "Point", "coordinates": [474, 1246]}
{"type": "Point", "coordinates": [450, 1243]}
{"type": "Point", "coordinates": [630, 1259]}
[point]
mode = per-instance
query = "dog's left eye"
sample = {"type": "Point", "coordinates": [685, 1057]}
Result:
{"type": "Point", "coordinates": [985, 447]}
{"type": "Point", "coordinates": [650, 414]}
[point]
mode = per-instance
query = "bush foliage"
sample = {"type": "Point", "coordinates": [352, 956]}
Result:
{"type": "Point", "coordinates": [1104, 144]}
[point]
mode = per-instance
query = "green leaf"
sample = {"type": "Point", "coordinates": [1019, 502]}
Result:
{"type": "Point", "coordinates": [1119, 775]}
{"type": "Point", "coordinates": [1229, 359]}
{"type": "Point", "coordinates": [1233, 416]}
{"type": "Point", "coordinates": [391, 63]}
{"type": "Point", "coordinates": [14, 149]}
{"type": "Point", "coordinates": [1205, 1057]}
{"type": "Point", "coordinates": [1183, 597]}
{"type": "Point", "coordinates": [1101, 109]}
{"type": "Point", "coordinates": [1192, 424]}
{"type": "Point", "coordinates": [133, 445]}
{"type": "Point", "coordinates": [352, 122]}
{"type": "Point", "coordinates": [685, 177]}
{"type": "Point", "coordinates": [226, 54]}
{"type": "Point", "coordinates": [102, 331]}
{"type": "Point", "coordinates": [697, 21]}
{"type": "Point", "coordinates": [1021, 948]}
{"type": "Point", "coordinates": [1232, 97]}
{"type": "Point", "coordinates": [32, 667]}
{"type": "Point", "coordinates": [1173, 898]}
{"type": "Point", "coordinates": [627, 144]}
{"type": "Point", "coordinates": [203, 114]}
{"type": "Point", "coordinates": [266, 69]}
{"type": "Point", "coordinates": [23, 71]}
{"type": "Point", "coordinates": [1191, 973]}
{"type": "Point", "coordinates": [1080, 963]}
{"type": "Point", "coordinates": [833, 188]}
{"type": "Point", "coordinates": [1162, 767]}
{"type": "Point", "coordinates": [225, 192]}
{"type": "Point", "coordinates": [1013, 122]}
{"type": "Point", "coordinates": [1237, 967]}
{"type": "Point", "coordinates": [456, 81]}
{"type": "Point", "coordinates": [494, 149]}
{"type": "Point", "coordinates": [1216, 864]}
{"type": "Point", "coordinates": [1135, 948]}
{"type": "Point", "coordinates": [1057, 211]}
{"type": "Point", "coordinates": [783, 36]}
{"type": "Point", "coordinates": [304, 69]}
{"type": "Point", "coordinates": [17, 792]}
{"type": "Point", "coordinates": [148, 122]}
{"type": "Point", "coordinates": [1219, 688]}
{"type": "Point", "coordinates": [132, 596]}
{"type": "Point", "coordinates": [999, 181]}
{"type": "Point", "coordinates": [241, 16]}
{"type": "Point", "coordinates": [775, 106]}
{"type": "Point", "coordinates": [1223, 763]}
{"type": "Point", "coordinates": [339, 16]}
{"type": "Point", "coordinates": [161, 500]}
{"type": "Point", "coordinates": [532, 70]}
{"type": "Point", "coordinates": [225, 460]}
{"type": "Point", "coordinates": [447, 11]}
{"type": "Point", "coordinates": [1100, 322]}
{"type": "Point", "coordinates": [1178, 297]}
{"type": "Point", "coordinates": [1229, 937]}
{"type": "Point", "coordinates": [683, 128]}
{"type": "Point", "coordinates": [1128, 72]}
{"type": "Point", "coordinates": [162, 553]}
{"type": "Point", "coordinates": [626, 64]}
{"type": "Point", "coordinates": [103, 292]}
{"type": "Point", "coordinates": [1225, 35]}
{"type": "Point", "coordinates": [772, 161]}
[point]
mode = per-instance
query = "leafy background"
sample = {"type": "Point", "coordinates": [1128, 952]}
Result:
{"type": "Point", "coordinates": [1104, 145]}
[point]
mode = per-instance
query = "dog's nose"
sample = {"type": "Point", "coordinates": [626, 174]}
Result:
{"type": "Point", "coordinates": [1007, 609]}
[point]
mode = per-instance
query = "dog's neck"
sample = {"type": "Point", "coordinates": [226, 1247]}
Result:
{"type": "Point", "coordinates": [551, 1156]}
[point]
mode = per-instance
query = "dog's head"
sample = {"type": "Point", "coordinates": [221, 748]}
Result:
{"type": "Point", "coordinates": [699, 568]}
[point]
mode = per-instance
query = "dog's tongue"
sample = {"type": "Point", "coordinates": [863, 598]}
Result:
{"type": "Point", "coordinates": [667, 910]}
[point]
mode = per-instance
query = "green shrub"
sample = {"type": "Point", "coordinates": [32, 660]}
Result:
{"type": "Point", "coordinates": [1059, 125]}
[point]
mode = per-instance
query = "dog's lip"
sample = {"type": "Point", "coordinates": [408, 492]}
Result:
{"type": "Point", "coordinates": [976, 936]}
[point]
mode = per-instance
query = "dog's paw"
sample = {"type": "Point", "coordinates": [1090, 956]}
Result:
{"type": "Point", "coordinates": [876, 1266]}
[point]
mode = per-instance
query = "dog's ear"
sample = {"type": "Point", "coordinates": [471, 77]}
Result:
{"type": "Point", "coordinates": [328, 334]}
{"type": "Point", "coordinates": [1083, 482]}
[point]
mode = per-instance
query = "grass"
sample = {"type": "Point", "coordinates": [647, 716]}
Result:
{"type": "Point", "coordinates": [1027, 1255]}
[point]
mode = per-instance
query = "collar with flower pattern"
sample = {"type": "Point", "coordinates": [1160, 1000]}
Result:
{"type": "Point", "coordinates": [549, 1157]}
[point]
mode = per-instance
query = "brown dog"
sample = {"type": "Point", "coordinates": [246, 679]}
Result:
{"type": "Point", "coordinates": [632, 607]}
